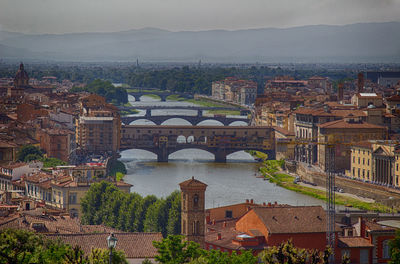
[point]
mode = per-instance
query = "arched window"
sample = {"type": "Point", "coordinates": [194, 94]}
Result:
{"type": "Point", "coordinates": [195, 200]}
{"type": "Point", "coordinates": [385, 249]}
{"type": "Point", "coordinates": [196, 227]}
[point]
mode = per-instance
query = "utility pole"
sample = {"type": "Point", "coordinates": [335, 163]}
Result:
{"type": "Point", "coordinates": [330, 199]}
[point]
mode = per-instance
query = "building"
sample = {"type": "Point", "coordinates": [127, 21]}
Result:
{"type": "Point", "coordinates": [193, 210]}
{"type": "Point", "coordinates": [341, 134]}
{"type": "Point", "coordinates": [14, 171]}
{"type": "Point", "coordinates": [317, 82]}
{"type": "Point", "coordinates": [98, 128]}
{"type": "Point", "coordinates": [363, 100]}
{"type": "Point", "coordinates": [57, 143]}
{"type": "Point", "coordinates": [234, 90]}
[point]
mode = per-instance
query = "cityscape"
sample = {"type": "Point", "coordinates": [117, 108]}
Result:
{"type": "Point", "coordinates": [265, 136]}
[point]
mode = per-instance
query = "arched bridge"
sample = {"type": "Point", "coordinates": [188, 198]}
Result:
{"type": "Point", "coordinates": [194, 120]}
{"type": "Point", "coordinates": [221, 141]}
{"type": "Point", "coordinates": [162, 94]}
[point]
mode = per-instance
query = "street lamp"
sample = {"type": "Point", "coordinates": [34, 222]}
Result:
{"type": "Point", "coordinates": [111, 243]}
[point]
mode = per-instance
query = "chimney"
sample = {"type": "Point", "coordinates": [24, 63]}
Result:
{"type": "Point", "coordinates": [213, 222]}
{"type": "Point", "coordinates": [361, 227]}
{"type": "Point", "coordinates": [340, 92]}
{"type": "Point", "coordinates": [251, 201]}
{"type": "Point", "coordinates": [269, 204]}
{"type": "Point", "coordinates": [275, 203]}
{"type": "Point", "coordinates": [224, 224]}
{"type": "Point", "coordinates": [247, 200]}
{"type": "Point", "coordinates": [264, 204]}
{"type": "Point", "coordinates": [360, 82]}
{"type": "Point", "coordinates": [219, 237]}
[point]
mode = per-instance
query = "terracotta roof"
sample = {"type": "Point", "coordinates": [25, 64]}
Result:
{"type": "Point", "coordinates": [372, 226]}
{"type": "Point", "coordinates": [283, 131]}
{"type": "Point", "coordinates": [353, 242]}
{"type": "Point", "coordinates": [192, 183]}
{"type": "Point", "coordinates": [345, 124]}
{"type": "Point", "coordinates": [135, 245]}
{"type": "Point", "coordinates": [363, 144]}
{"type": "Point", "coordinates": [293, 219]}
{"type": "Point", "coordinates": [393, 98]}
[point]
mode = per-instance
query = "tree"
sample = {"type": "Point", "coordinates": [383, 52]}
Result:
{"type": "Point", "coordinates": [394, 249]}
{"type": "Point", "coordinates": [101, 256]}
{"type": "Point", "coordinates": [28, 153]}
{"type": "Point", "coordinates": [76, 256]}
{"type": "Point", "coordinates": [288, 253]}
{"type": "Point", "coordinates": [21, 246]}
{"type": "Point", "coordinates": [173, 250]}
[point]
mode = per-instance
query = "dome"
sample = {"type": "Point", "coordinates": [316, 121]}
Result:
{"type": "Point", "coordinates": [21, 73]}
{"type": "Point", "coordinates": [371, 106]}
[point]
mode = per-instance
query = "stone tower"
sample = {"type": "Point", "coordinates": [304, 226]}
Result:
{"type": "Point", "coordinates": [193, 222]}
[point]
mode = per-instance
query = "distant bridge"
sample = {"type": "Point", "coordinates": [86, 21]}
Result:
{"type": "Point", "coordinates": [162, 94]}
{"type": "Point", "coordinates": [218, 140]}
{"type": "Point", "coordinates": [193, 119]}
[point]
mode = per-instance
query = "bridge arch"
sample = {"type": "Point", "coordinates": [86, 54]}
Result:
{"type": "Point", "coordinates": [154, 96]}
{"type": "Point", "coordinates": [238, 123]}
{"type": "Point", "coordinates": [147, 153]}
{"type": "Point", "coordinates": [208, 155]}
{"type": "Point", "coordinates": [169, 120]}
{"type": "Point", "coordinates": [217, 122]}
{"type": "Point", "coordinates": [140, 122]}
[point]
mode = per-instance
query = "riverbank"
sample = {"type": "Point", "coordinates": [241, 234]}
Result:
{"type": "Point", "coordinates": [274, 174]}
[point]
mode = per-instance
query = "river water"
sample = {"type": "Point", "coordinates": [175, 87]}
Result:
{"type": "Point", "coordinates": [228, 183]}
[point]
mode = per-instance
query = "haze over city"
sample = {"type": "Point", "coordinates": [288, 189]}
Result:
{"type": "Point", "coordinates": [59, 16]}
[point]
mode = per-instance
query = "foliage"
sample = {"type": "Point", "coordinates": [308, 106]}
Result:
{"type": "Point", "coordinates": [117, 166]}
{"type": "Point", "coordinates": [115, 95]}
{"type": "Point", "coordinates": [395, 249]}
{"type": "Point", "coordinates": [147, 261]}
{"type": "Point", "coordinates": [288, 253]}
{"type": "Point", "coordinates": [52, 162]}
{"type": "Point", "coordinates": [173, 250]}
{"type": "Point", "coordinates": [75, 256]}
{"type": "Point", "coordinates": [101, 256]}
{"type": "Point", "coordinates": [106, 204]}
{"type": "Point", "coordinates": [21, 246]}
{"type": "Point", "coordinates": [28, 153]}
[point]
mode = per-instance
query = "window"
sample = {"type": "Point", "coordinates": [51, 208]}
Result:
{"type": "Point", "coordinates": [196, 227]}
{"type": "Point", "coordinates": [363, 161]}
{"type": "Point", "coordinates": [385, 249]}
{"type": "Point", "coordinates": [228, 214]}
{"type": "Point", "coordinates": [358, 160]}
{"type": "Point", "coordinates": [195, 200]}
{"type": "Point", "coordinates": [358, 173]}
{"type": "Point", "coordinates": [368, 161]}
{"type": "Point", "coordinates": [354, 171]}
{"type": "Point", "coordinates": [364, 256]}
{"type": "Point", "coordinates": [72, 198]}
{"type": "Point", "coordinates": [354, 159]}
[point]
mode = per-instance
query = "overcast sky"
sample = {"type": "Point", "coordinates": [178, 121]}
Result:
{"type": "Point", "coordinates": [62, 16]}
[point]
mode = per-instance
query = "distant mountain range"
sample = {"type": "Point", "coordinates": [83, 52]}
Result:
{"type": "Point", "coordinates": [363, 42]}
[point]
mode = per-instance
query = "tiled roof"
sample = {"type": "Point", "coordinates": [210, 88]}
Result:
{"type": "Point", "coordinates": [135, 245]}
{"type": "Point", "coordinates": [344, 124]}
{"type": "Point", "coordinates": [192, 183]}
{"type": "Point", "coordinates": [283, 131]}
{"type": "Point", "coordinates": [373, 226]}
{"type": "Point", "coordinates": [353, 242]}
{"type": "Point", "coordinates": [363, 144]}
{"type": "Point", "coordinates": [293, 219]}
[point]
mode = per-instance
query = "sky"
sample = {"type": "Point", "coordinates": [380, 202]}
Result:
{"type": "Point", "coordinates": [66, 16]}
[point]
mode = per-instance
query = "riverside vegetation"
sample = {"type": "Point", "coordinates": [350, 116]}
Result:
{"type": "Point", "coordinates": [272, 170]}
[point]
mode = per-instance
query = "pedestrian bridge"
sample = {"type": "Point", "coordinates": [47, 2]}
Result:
{"type": "Point", "coordinates": [218, 140]}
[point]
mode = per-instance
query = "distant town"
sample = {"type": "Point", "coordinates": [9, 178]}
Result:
{"type": "Point", "coordinates": [329, 134]}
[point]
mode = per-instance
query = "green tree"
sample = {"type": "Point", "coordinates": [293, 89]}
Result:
{"type": "Point", "coordinates": [173, 250]}
{"type": "Point", "coordinates": [394, 246]}
{"type": "Point", "coordinates": [76, 256]}
{"type": "Point", "coordinates": [101, 256]}
{"type": "Point", "coordinates": [28, 153]}
{"type": "Point", "coordinates": [174, 214]}
{"type": "Point", "coordinates": [21, 246]}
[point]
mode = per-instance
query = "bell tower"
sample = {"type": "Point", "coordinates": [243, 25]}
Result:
{"type": "Point", "coordinates": [193, 222]}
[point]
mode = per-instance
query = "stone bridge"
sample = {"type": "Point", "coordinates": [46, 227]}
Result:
{"type": "Point", "coordinates": [194, 120]}
{"type": "Point", "coordinates": [218, 140]}
{"type": "Point", "coordinates": [162, 94]}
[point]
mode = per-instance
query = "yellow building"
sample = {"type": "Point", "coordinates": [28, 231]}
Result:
{"type": "Point", "coordinates": [375, 161]}
{"type": "Point", "coordinates": [361, 161]}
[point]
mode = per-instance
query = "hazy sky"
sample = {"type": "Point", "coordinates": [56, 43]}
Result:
{"type": "Point", "coordinates": [61, 16]}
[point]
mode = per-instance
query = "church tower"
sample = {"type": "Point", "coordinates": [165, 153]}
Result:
{"type": "Point", "coordinates": [193, 222]}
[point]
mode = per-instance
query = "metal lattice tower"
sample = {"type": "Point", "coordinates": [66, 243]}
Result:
{"type": "Point", "coordinates": [330, 201]}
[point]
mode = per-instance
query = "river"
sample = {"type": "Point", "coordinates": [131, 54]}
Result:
{"type": "Point", "coordinates": [228, 183]}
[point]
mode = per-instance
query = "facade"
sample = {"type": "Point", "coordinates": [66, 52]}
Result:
{"type": "Point", "coordinates": [234, 90]}
{"type": "Point", "coordinates": [57, 143]}
{"type": "Point", "coordinates": [363, 100]}
{"type": "Point", "coordinates": [193, 210]}
{"type": "Point", "coordinates": [341, 134]}
{"type": "Point", "coordinates": [98, 128]}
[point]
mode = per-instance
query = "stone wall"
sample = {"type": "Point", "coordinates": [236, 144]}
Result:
{"type": "Point", "coordinates": [381, 194]}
